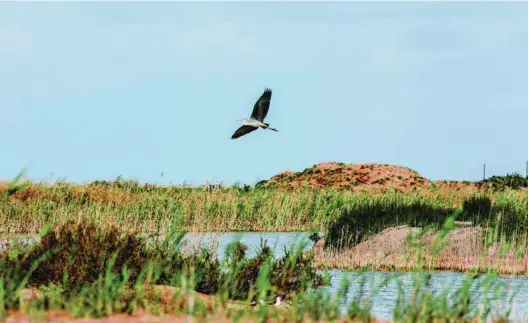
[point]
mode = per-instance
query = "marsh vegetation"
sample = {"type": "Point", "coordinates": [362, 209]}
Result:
{"type": "Point", "coordinates": [106, 248]}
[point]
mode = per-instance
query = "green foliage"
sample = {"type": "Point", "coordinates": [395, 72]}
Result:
{"type": "Point", "coordinates": [146, 208]}
{"type": "Point", "coordinates": [99, 264]}
{"type": "Point", "coordinates": [511, 220]}
{"type": "Point", "coordinates": [116, 289]}
{"type": "Point", "coordinates": [500, 183]}
{"type": "Point", "coordinates": [361, 221]}
{"type": "Point", "coordinates": [76, 254]}
{"type": "Point", "coordinates": [261, 184]}
{"type": "Point", "coordinates": [14, 186]}
{"type": "Point", "coordinates": [476, 208]}
{"type": "Point", "coordinates": [315, 237]}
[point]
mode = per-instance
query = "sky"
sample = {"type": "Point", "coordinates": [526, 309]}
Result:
{"type": "Point", "coordinates": [94, 90]}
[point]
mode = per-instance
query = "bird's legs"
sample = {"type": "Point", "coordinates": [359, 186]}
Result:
{"type": "Point", "coordinates": [267, 126]}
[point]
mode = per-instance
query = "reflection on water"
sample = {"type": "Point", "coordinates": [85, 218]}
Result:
{"type": "Point", "coordinates": [383, 301]}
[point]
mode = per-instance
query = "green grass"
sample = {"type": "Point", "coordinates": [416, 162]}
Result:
{"type": "Point", "coordinates": [79, 226]}
{"type": "Point", "coordinates": [133, 281]}
{"type": "Point", "coordinates": [155, 209]}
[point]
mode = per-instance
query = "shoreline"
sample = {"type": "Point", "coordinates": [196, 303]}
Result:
{"type": "Point", "coordinates": [352, 260]}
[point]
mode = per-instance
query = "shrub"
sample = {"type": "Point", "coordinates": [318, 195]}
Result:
{"type": "Point", "coordinates": [289, 275]}
{"type": "Point", "coordinates": [78, 252]}
{"type": "Point", "coordinates": [74, 254]}
{"type": "Point", "coordinates": [499, 183]}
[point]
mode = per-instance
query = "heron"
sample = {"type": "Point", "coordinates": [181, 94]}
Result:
{"type": "Point", "coordinates": [260, 110]}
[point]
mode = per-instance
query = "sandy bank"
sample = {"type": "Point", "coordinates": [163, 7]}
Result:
{"type": "Point", "coordinates": [463, 250]}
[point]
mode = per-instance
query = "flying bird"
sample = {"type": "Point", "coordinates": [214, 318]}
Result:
{"type": "Point", "coordinates": [260, 110]}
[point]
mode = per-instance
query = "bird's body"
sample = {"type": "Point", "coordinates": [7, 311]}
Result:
{"type": "Point", "coordinates": [256, 120]}
{"type": "Point", "coordinates": [253, 123]}
{"type": "Point", "coordinates": [277, 303]}
{"type": "Point", "coordinates": [256, 124]}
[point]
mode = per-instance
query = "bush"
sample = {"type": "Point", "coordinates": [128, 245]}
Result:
{"type": "Point", "coordinates": [499, 183]}
{"type": "Point", "coordinates": [76, 254]}
{"type": "Point", "coordinates": [171, 264]}
{"type": "Point", "coordinates": [289, 275]}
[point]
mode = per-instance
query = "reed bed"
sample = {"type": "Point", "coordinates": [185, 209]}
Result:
{"type": "Point", "coordinates": [153, 209]}
{"type": "Point", "coordinates": [134, 277]}
{"type": "Point", "coordinates": [472, 255]}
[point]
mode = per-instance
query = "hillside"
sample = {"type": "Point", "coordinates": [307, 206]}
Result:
{"type": "Point", "coordinates": [335, 175]}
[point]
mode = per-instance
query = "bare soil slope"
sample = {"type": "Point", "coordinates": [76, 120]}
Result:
{"type": "Point", "coordinates": [335, 175]}
{"type": "Point", "coordinates": [462, 250]}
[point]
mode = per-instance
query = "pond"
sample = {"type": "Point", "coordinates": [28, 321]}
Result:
{"type": "Point", "coordinates": [277, 241]}
{"type": "Point", "coordinates": [384, 300]}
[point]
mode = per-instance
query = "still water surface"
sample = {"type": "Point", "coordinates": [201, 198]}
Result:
{"type": "Point", "coordinates": [383, 301]}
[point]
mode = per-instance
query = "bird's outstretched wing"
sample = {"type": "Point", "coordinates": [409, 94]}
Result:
{"type": "Point", "coordinates": [242, 131]}
{"type": "Point", "coordinates": [260, 109]}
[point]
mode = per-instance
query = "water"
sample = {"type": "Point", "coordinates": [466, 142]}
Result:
{"type": "Point", "coordinates": [275, 240]}
{"type": "Point", "coordinates": [384, 300]}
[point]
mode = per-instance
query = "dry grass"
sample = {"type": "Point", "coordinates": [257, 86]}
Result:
{"type": "Point", "coordinates": [153, 210]}
{"type": "Point", "coordinates": [463, 250]}
{"type": "Point", "coordinates": [118, 297]}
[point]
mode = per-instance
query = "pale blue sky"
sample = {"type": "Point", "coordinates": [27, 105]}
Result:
{"type": "Point", "coordinates": [95, 90]}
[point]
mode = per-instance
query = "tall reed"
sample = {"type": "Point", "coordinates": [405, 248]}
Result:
{"type": "Point", "coordinates": [153, 209]}
{"type": "Point", "coordinates": [114, 288]}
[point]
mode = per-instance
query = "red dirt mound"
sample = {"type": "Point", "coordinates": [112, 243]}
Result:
{"type": "Point", "coordinates": [354, 176]}
{"type": "Point", "coordinates": [381, 177]}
